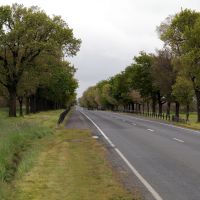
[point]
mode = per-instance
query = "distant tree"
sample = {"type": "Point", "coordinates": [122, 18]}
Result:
{"type": "Point", "coordinates": [141, 77]}
{"type": "Point", "coordinates": [183, 92]}
{"type": "Point", "coordinates": [164, 77]}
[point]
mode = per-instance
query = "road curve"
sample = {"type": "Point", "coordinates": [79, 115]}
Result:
{"type": "Point", "coordinates": [167, 157]}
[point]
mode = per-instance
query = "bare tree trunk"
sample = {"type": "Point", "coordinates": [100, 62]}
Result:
{"type": "Point", "coordinates": [168, 108]}
{"type": "Point", "coordinates": [148, 107]}
{"type": "Point", "coordinates": [198, 104]}
{"type": "Point", "coordinates": [27, 105]}
{"type": "Point", "coordinates": [177, 110]}
{"type": "Point", "coordinates": [187, 112]}
{"type": "Point", "coordinates": [143, 107]}
{"type": "Point", "coordinates": [12, 101]}
{"type": "Point", "coordinates": [154, 105]}
{"type": "Point", "coordinates": [32, 104]}
{"type": "Point", "coordinates": [20, 99]}
{"type": "Point", "coordinates": [160, 107]}
{"type": "Point", "coordinates": [133, 107]}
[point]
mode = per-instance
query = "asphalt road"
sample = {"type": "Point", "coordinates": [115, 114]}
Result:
{"type": "Point", "coordinates": [165, 156]}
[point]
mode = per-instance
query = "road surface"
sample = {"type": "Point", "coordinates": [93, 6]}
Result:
{"type": "Point", "coordinates": [166, 157]}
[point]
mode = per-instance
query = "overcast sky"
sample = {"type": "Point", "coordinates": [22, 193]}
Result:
{"type": "Point", "coordinates": [112, 31]}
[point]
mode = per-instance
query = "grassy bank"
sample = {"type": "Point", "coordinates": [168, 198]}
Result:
{"type": "Point", "coordinates": [19, 145]}
{"type": "Point", "coordinates": [66, 164]}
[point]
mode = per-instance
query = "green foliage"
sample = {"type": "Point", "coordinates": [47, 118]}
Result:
{"type": "Point", "coordinates": [163, 73]}
{"type": "Point", "coordinates": [140, 74]}
{"type": "Point", "coordinates": [15, 139]}
{"type": "Point", "coordinates": [183, 90]}
{"type": "Point", "coordinates": [31, 43]}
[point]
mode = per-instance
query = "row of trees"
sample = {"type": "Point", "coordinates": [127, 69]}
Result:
{"type": "Point", "coordinates": [171, 75]}
{"type": "Point", "coordinates": [32, 65]}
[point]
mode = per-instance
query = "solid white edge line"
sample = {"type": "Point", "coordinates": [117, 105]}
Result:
{"type": "Point", "coordinates": [137, 174]}
{"type": "Point", "coordinates": [108, 140]}
{"type": "Point", "coordinates": [178, 140]}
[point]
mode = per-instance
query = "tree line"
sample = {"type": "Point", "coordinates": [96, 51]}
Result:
{"type": "Point", "coordinates": [170, 75]}
{"type": "Point", "coordinates": [33, 66]}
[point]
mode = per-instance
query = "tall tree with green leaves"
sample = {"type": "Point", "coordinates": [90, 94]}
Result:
{"type": "Point", "coordinates": [141, 77]}
{"type": "Point", "coordinates": [164, 77]}
{"type": "Point", "coordinates": [24, 34]}
{"type": "Point", "coordinates": [182, 34]}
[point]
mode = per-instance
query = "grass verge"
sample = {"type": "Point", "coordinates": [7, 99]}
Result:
{"type": "Point", "coordinates": [19, 145]}
{"type": "Point", "coordinates": [66, 164]}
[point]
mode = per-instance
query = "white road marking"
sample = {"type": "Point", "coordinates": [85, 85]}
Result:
{"type": "Point", "coordinates": [178, 140]}
{"type": "Point", "coordinates": [165, 124]}
{"type": "Point", "coordinates": [95, 137]}
{"type": "Point", "coordinates": [108, 140]}
{"type": "Point", "coordinates": [150, 130]}
{"type": "Point", "coordinates": [134, 124]}
{"type": "Point", "coordinates": [137, 174]}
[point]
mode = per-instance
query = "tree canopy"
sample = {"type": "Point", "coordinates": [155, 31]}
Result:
{"type": "Point", "coordinates": [25, 35]}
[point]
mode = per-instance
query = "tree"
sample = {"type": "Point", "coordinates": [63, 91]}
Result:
{"type": "Point", "coordinates": [183, 92]}
{"type": "Point", "coordinates": [164, 77]}
{"type": "Point", "coordinates": [141, 77]}
{"type": "Point", "coordinates": [182, 34]}
{"type": "Point", "coordinates": [24, 34]}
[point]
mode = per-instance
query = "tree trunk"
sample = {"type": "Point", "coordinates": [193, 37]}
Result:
{"type": "Point", "coordinates": [27, 105]}
{"type": "Point", "coordinates": [154, 105]}
{"type": "Point", "coordinates": [20, 99]}
{"type": "Point", "coordinates": [198, 104]}
{"type": "Point", "coordinates": [139, 108]}
{"type": "Point", "coordinates": [168, 108]}
{"type": "Point", "coordinates": [160, 107]}
{"type": "Point", "coordinates": [143, 107]}
{"type": "Point", "coordinates": [177, 110]}
{"type": "Point", "coordinates": [187, 112]}
{"type": "Point", "coordinates": [148, 107]}
{"type": "Point", "coordinates": [12, 101]}
{"type": "Point", "coordinates": [160, 103]}
{"type": "Point", "coordinates": [133, 107]}
{"type": "Point", "coordinates": [32, 104]}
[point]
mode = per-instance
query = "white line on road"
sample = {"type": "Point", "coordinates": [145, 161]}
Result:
{"type": "Point", "coordinates": [108, 140]}
{"type": "Point", "coordinates": [137, 174]}
{"type": "Point", "coordinates": [162, 123]}
{"type": "Point", "coordinates": [150, 130]}
{"type": "Point", "coordinates": [178, 140]}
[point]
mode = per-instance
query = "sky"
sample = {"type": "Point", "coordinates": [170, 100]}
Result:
{"type": "Point", "coordinates": [112, 31]}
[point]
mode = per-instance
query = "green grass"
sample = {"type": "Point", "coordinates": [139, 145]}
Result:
{"type": "Point", "coordinates": [71, 166]}
{"type": "Point", "coordinates": [19, 145]}
{"type": "Point", "coordinates": [66, 164]}
{"type": "Point", "coordinates": [192, 123]}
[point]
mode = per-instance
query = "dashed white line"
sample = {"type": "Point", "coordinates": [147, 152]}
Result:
{"type": "Point", "coordinates": [137, 174]}
{"type": "Point", "coordinates": [178, 140]}
{"type": "Point", "coordinates": [150, 130]}
{"type": "Point", "coordinates": [165, 124]}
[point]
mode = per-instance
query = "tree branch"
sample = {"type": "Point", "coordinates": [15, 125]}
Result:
{"type": "Point", "coordinates": [2, 83]}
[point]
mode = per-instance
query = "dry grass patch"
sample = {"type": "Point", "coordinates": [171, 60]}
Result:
{"type": "Point", "coordinates": [72, 166]}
